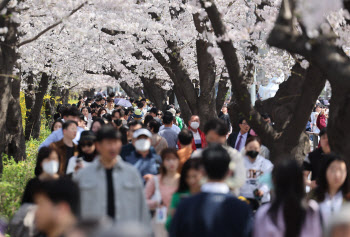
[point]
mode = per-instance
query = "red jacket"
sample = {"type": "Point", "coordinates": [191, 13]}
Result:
{"type": "Point", "coordinates": [203, 140]}
{"type": "Point", "coordinates": [321, 121]}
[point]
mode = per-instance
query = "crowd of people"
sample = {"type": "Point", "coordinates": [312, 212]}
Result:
{"type": "Point", "coordinates": [116, 167]}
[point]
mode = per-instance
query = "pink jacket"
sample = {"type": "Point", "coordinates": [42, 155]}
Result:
{"type": "Point", "coordinates": [264, 226]}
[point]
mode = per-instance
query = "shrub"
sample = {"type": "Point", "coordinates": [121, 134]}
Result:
{"type": "Point", "coordinates": [15, 177]}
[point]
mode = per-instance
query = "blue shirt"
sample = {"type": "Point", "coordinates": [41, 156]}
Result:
{"type": "Point", "coordinates": [174, 127]}
{"type": "Point", "coordinates": [148, 165]}
{"type": "Point", "coordinates": [58, 135]}
{"type": "Point", "coordinates": [170, 136]}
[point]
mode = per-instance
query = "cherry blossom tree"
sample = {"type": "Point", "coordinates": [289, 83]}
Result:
{"type": "Point", "coordinates": [295, 97]}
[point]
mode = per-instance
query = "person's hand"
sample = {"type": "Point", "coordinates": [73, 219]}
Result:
{"type": "Point", "coordinates": [147, 177]}
{"type": "Point", "coordinates": [78, 166]}
{"type": "Point", "coordinates": [260, 193]}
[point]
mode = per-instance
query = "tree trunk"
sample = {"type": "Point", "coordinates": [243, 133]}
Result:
{"type": "Point", "coordinates": [11, 130]}
{"type": "Point", "coordinates": [303, 96]}
{"type": "Point", "coordinates": [34, 106]}
{"type": "Point", "coordinates": [50, 104]}
{"type": "Point", "coordinates": [89, 93]}
{"type": "Point", "coordinates": [65, 96]}
{"type": "Point", "coordinates": [222, 92]}
{"type": "Point", "coordinates": [155, 92]}
{"type": "Point", "coordinates": [131, 92]}
{"type": "Point", "coordinates": [207, 74]}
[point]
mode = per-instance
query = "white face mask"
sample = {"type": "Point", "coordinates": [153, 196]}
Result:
{"type": "Point", "coordinates": [142, 145]}
{"type": "Point", "coordinates": [194, 125]}
{"type": "Point", "coordinates": [50, 167]}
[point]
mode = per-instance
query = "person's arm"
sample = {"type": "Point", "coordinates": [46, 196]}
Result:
{"type": "Point", "coordinates": [53, 137]}
{"type": "Point", "coordinates": [145, 217]}
{"type": "Point", "coordinates": [149, 192]}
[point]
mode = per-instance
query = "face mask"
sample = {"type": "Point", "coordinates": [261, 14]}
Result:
{"type": "Point", "coordinates": [143, 145]}
{"type": "Point", "coordinates": [252, 154]}
{"type": "Point", "coordinates": [194, 125]}
{"type": "Point", "coordinates": [50, 167]}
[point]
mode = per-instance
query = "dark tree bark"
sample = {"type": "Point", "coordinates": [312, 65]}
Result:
{"type": "Point", "coordinates": [50, 104]}
{"type": "Point", "coordinates": [11, 131]}
{"type": "Point", "coordinates": [207, 74]}
{"type": "Point", "coordinates": [155, 92]}
{"type": "Point", "coordinates": [34, 101]}
{"type": "Point", "coordinates": [329, 58]}
{"type": "Point", "coordinates": [279, 142]}
{"type": "Point", "coordinates": [65, 96]}
{"type": "Point", "coordinates": [222, 92]}
{"type": "Point", "coordinates": [89, 93]}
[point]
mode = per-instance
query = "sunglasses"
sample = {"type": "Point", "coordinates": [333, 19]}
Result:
{"type": "Point", "coordinates": [159, 114]}
{"type": "Point", "coordinates": [86, 144]}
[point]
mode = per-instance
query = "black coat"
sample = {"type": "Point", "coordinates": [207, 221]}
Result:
{"type": "Point", "coordinates": [231, 141]}
{"type": "Point", "coordinates": [212, 214]}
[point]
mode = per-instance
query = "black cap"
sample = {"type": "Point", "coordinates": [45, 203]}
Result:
{"type": "Point", "coordinates": [107, 132]}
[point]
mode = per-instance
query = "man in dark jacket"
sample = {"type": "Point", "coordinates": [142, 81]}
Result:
{"type": "Point", "coordinates": [214, 211]}
{"type": "Point", "coordinates": [237, 140]}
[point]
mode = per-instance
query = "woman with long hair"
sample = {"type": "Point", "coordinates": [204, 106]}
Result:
{"type": "Point", "coordinates": [96, 124]}
{"type": "Point", "coordinates": [160, 188]}
{"type": "Point", "coordinates": [101, 112]}
{"type": "Point", "coordinates": [47, 164]}
{"type": "Point", "coordinates": [332, 186]}
{"type": "Point", "coordinates": [56, 125]}
{"type": "Point", "coordinates": [190, 183]}
{"type": "Point", "coordinates": [289, 214]}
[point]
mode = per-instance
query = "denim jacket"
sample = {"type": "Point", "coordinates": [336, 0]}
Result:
{"type": "Point", "coordinates": [130, 202]}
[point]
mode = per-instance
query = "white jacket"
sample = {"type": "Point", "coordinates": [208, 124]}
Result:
{"type": "Point", "coordinates": [253, 172]}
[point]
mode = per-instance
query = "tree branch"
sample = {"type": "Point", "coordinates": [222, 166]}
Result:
{"type": "Point", "coordinates": [3, 4]}
{"type": "Point", "coordinates": [50, 27]}
{"type": "Point", "coordinates": [240, 91]}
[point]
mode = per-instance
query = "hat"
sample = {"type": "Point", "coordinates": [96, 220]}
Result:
{"type": "Point", "coordinates": [138, 113]}
{"type": "Point", "coordinates": [142, 131]}
{"type": "Point", "coordinates": [173, 111]}
{"type": "Point", "coordinates": [87, 136]}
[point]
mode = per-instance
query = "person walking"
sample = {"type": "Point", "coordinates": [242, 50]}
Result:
{"type": "Point", "coordinates": [110, 187]}
{"type": "Point", "coordinates": [65, 147]}
{"type": "Point", "coordinates": [225, 117]}
{"type": "Point", "coordinates": [189, 184]}
{"type": "Point", "coordinates": [46, 168]}
{"type": "Point", "coordinates": [168, 133]}
{"type": "Point", "coordinates": [255, 166]}
{"type": "Point", "coordinates": [185, 142]}
{"type": "Point", "coordinates": [332, 190]}
{"type": "Point", "coordinates": [158, 142]}
{"type": "Point", "coordinates": [289, 214]}
{"type": "Point", "coordinates": [68, 114]}
{"type": "Point", "coordinates": [314, 160]}
{"type": "Point", "coordinates": [214, 211]}
{"type": "Point", "coordinates": [86, 153]}
{"type": "Point", "coordinates": [238, 140]}
{"type": "Point", "coordinates": [57, 209]}
{"type": "Point", "coordinates": [143, 159]}
{"type": "Point", "coordinates": [161, 188]}
{"type": "Point", "coordinates": [199, 141]}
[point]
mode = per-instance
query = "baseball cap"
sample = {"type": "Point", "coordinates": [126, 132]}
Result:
{"type": "Point", "coordinates": [141, 132]}
{"type": "Point", "coordinates": [138, 113]}
{"type": "Point", "coordinates": [173, 111]}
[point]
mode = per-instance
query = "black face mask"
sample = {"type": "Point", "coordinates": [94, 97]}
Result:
{"type": "Point", "coordinates": [252, 154]}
